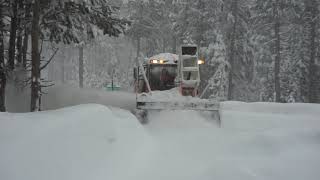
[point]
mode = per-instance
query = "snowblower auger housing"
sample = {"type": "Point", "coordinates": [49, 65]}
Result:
{"type": "Point", "coordinates": [170, 82]}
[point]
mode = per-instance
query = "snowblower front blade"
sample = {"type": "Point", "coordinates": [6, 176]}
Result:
{"type": "Point", "coordinates": [212, 107]}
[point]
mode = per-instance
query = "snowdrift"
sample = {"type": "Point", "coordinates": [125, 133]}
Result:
{"type": "Point", "coordinates": [81, 142]}
{"type": "Point", "coordinates": [256, 141]}
{"type": "Point", "coordinates": [263, 115]}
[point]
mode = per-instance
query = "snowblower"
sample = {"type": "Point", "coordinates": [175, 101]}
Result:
{"type": "Point", "coordinates": [170, 82]}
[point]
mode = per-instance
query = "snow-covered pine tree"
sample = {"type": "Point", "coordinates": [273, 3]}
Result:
{"type": "Point", "coordinates": [293, 67]}
{"type": "Point", "coordinates": [236, 25]}
{"type": "Point", "coordinates": [143, 24]}
{"type": "Point", "coordinates": [215, 74]}
{"type": "Point", "coordinates": [67, 22]}
{"type": "Point", "coordinates": [312, 18]}
{"type": "Point", "coordinates": [272, 16]}
{"type": "Point", "coordinates": [152, 26]}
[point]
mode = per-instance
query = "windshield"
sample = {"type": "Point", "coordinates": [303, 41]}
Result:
{"type": "Point", "coordinates": [158, 70]}
{"type": "Point", "coordinates": [162, 77]}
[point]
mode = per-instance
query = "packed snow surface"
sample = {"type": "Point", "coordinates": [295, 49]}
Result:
{"type": "Point", "coordinates": [269, 115]}
{"type": "Point", "coordinates": [255, 141]}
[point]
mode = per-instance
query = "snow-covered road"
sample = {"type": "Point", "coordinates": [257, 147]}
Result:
{"type": "Point", "coordinates": [208, 153]}
{"type": "Point", "coordinates": [94, 142]}
{"type": "Point", "coordinates": [190, 146]}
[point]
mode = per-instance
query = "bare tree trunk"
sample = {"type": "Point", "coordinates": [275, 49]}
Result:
{"type": "Point", "coordinates": [63, 69]}
{"type": "Point", "coordinates": [163, 45]}
{"type": "Point", "coordinates": [277, 51]}
{"type": "Point", "coordinates": [311, 8]}
{"type": "Point", "coordinates": [138, 50]}
{"type": "Point", "coordinates": [26, 37]}
{"type": "Point", "coordinates": [19, 46]}
{"type": "Point", "coordinates": [3, 79]}
{"type": "Point", "coordinates": [174, 45]}
{"type": "Point", "coordinates": [81, 68]}
{"type": "Point", "coordinates": [25, 49]}
{"type": "Point", "coordinates": [13, 32]}
{"type": "Point", "coordinates": [35, 72]}
{"type": "Point", "coordinates": [233, 48]}
{"type": "Point", "coordinates": [20, 26]}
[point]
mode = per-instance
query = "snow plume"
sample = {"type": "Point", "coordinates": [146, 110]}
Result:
{"type": "Point", "coordinates": [63, 96]}
{"type": "Point", "coordinates": [101, 61]}
{"type": "Point", "coordinates": [181, 119]}
{"type": "Point", "coordinates": [58, 96]}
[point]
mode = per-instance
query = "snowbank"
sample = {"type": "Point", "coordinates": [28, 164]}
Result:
{"type": "Point", "coordinates": [269, 115]}
{"type": "Point", "coordinates": [256, 141]}
{"type": "Point", "coordinates": [81, 142]}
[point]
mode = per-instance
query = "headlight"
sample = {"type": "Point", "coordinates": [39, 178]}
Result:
{"type": "Point", "coordinates": [200, 61]}
{"type": "Point", "coordinates": [154, 61]}
{"type": "Point", "coordinates": [161, 61]}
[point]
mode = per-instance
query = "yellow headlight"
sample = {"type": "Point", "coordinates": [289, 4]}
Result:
{"type": "Point", "coordinates": [200, 61]}
{"type": "Point", "coordinates": [154, 61]}
{"type": "Point", "coordinates": [161, 61]}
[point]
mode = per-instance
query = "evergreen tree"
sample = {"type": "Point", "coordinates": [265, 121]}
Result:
{"type": "Point", "coordinates": [68, 22]}
{"type": "Point", "coordinates": [312, 17]}
{"type": "Point", "coordinates": [270, 16]}
{"type": "Point", "coordinates": [236, 25]}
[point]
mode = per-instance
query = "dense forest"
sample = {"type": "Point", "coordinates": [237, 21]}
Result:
{"type": "Point", "coordinates": [255, 50]}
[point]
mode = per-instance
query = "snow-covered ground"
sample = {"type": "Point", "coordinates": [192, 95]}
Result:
{"type": "Point", "coordinates": [270, 115]}
{"type": "Point", "coordinates": [255, 141]}
{"type": "Point", "coordinates": [81, 142]}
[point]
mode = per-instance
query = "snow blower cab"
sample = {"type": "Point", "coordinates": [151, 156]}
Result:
{"type": "Point", "coordinates": [160, 71]}
{"type": "Point", "coordinates": [170, 82]}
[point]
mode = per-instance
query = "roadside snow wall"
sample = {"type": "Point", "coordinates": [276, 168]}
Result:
{"type": "Point", "coordinates": [82, 142]}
